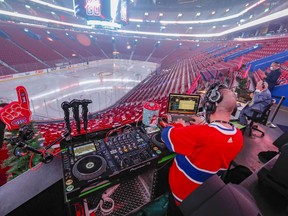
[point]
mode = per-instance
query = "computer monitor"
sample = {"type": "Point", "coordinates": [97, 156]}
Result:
{"type": "Point", "coordinates": [183, 104]}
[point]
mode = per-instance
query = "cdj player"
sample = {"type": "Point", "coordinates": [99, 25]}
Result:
{"type": "Point", "coordinates": [88, 161]}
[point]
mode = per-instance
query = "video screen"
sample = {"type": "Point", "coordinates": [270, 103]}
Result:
{"type": "Point", "coordinates": [183, 104]}
{"type": "Point", "coordinates": [103, 10]}
{"type": "Point", "coordinates": [84, 149]}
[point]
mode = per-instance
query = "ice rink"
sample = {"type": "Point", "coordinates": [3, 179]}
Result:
{"type": "Point", "coordinates": [104, 82]}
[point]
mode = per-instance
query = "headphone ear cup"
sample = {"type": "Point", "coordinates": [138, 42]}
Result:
{"type": "Point", "coordinates": [215, 96]}
{"type": "Point", "coordinates": [210, 107]}
{"type": "Point", "coordinates": [263, 84]}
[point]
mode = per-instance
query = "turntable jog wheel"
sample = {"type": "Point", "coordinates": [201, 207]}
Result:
{"type": "Point", "coordinates": [89, 167]}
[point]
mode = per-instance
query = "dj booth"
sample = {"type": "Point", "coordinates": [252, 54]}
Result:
{"type": "Point", "coordinates": [114, 172]}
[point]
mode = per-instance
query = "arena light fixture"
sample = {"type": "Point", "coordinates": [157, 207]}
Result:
{"type": "Point", "coordinates": [29, 17]}
{"type": "Point", "coordinates": [135, 20]}
{"type": "Point", "coordinates": [52, 5]}
{"type": "Point", "coordinates": [271, 17]}
{"type": "Point", "coordinates": [105, 24]}
{"type": "Point", "coordinates": [167, 22]}
{"type": "Point", "coordinates": [206, 20]}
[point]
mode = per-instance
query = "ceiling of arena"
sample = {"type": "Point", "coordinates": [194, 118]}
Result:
{"type": "Point", "coordinates": [170, 4]}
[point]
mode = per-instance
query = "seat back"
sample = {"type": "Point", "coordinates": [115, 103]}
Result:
{"type": "Point", "coordinates": [263, 118]}
{"type": "Point", "coordinates": [279, 170]}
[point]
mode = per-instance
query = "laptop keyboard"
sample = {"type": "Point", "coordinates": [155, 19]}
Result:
{"type": "Point", "coordinates": [184, 117]}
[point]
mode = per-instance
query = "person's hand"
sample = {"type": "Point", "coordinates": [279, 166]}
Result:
{"type": "Point", "coordinates": [181, 121]}
{"type": "Point", "coordinates": [198, 120]}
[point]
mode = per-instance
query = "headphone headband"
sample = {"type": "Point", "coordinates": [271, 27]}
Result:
{"type": "Point", "coordinates": [212, 97]}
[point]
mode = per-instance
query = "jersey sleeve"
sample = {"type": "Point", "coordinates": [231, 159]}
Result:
{"type": "Point", "coordinates": [183, 140]}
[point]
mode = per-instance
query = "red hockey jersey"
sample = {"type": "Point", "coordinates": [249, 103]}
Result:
{"type": "Point", "coordinates": [202, 151]}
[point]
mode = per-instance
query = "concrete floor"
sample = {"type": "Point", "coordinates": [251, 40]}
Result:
{"type": "Point", "coordinates": [255, 144]}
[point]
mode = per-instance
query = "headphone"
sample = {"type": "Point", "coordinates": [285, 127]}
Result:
{"type": "Point", "coordinates": [212, 97]}
{"type": "Point", "coordinates": [263, 84]}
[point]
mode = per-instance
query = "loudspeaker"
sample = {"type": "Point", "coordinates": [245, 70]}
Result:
{"type": "Point", "coordinates": [212, 97]}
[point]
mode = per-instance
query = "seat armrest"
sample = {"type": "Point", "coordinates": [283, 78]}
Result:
{"type": "Point", "coordinates": [256, 111]}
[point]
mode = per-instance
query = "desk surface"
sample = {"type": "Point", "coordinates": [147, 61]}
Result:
{"type": "Point", "coordinates": [236, 124]}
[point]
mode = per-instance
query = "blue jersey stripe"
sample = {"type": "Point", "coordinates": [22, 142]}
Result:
{"type": "Point", "coordinates": [191, 170]}
{"type": "Point", "coordinates": [223, 130]}
{"type": "Point", "coordinates": [165, 136]}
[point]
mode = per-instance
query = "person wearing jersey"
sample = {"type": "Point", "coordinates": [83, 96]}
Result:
{"type": "Point", "coordinates": [202, 149]}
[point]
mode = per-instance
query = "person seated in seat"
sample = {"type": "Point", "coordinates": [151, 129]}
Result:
{"type": "Point", "coordinates": [261, 99]}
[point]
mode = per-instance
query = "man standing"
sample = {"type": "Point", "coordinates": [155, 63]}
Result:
{"type": "Point", "coordinates": [261, 99]}
{"type": "Point", "coordinates": [202, 149]}
{"type": "Point", "coordinates": [272, 77]}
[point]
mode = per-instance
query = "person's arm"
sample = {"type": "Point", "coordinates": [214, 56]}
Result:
{"type": "Point", "coordinates": [260, 97]}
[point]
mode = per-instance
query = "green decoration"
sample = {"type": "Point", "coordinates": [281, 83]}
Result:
{"type": "Point", "coordinates": [242, 90]}
{"type": "Point", "coordinates": [19, 165]}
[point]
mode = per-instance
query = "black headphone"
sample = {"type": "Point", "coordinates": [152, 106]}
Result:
{"type": "Point", "coordinates": [212, 97]}
{"type": "Point", "coordinates": [263, 84]}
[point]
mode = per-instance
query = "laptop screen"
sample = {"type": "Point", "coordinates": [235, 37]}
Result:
{"type": "Point", "coordinates": [183, 104]}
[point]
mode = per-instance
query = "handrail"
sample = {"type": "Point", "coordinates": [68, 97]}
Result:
{"type": "Point", "coordinates": [270, 123]}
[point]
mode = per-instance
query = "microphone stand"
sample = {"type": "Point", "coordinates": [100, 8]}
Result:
{"type": "Point", "coordinates": [46, 157]}
{"type": "Point", "coordinates": [75, 109]}
{"type": "Point", "coordinates": [25, 134]}
{"type": "Point", "coordinates": [85, 103]}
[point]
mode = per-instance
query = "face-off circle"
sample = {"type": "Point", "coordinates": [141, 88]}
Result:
{"type": "Point", "coordinates": [89, 167]}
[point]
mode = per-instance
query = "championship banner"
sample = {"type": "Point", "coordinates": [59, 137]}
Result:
{"type": "Point", "coordinates": [17, 113]}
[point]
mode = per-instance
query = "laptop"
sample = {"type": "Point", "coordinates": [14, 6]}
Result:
{"type": "Point", "coordinates": [182, 106]}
